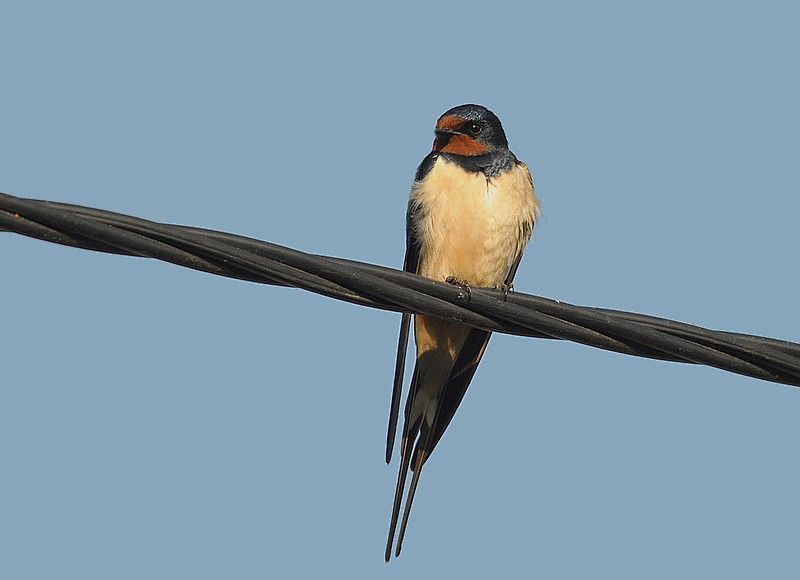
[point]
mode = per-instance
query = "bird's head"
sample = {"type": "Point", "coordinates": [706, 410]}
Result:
{"type": "Point", "coordinates": [469, 131]}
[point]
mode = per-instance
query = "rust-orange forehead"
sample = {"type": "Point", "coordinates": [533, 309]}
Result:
{"type": "Point", "coordinates": [450, 122]}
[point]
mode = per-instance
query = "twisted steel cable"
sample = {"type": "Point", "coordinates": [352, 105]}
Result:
{"type": "Point", "coordinates": [245, 258]}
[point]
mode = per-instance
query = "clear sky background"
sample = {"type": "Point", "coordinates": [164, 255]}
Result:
{"type": "Point", "coordinates": [157, 422]}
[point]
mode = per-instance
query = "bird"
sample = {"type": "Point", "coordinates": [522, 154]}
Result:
{"type": "Point", "coordinates": [471, 212]}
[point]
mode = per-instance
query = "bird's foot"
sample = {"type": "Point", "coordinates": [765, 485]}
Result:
{"type": "Point", "coordinates": [463, 284]}
{"type": "Point", "coordinates": [505, 289]}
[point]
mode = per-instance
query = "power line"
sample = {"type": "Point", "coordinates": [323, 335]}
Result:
{"type": "Point", "coordinates": [249, 259]}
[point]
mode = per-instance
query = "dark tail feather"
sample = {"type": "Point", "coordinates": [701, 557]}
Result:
{"type": "Point", "coordinates": [410, 432]}
{"type": "Point", "coordinates": [405, 449]}
{"type": "Point", "coordinates": [394, 409]}
{"type": "Point", "coordinates": [419, 458]}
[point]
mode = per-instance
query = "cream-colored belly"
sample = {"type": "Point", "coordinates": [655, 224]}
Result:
{"type": "Point", "coordinates": [470, 226]}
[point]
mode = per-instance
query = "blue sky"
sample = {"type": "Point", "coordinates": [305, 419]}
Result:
{"type": "Point", "coordinates": [158, 422]}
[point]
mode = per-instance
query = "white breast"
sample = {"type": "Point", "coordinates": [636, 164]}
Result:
{"type": "Point", "coordinates": [470, 226]}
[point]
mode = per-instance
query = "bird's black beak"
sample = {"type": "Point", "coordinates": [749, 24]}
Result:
{"type": "Point", "coordinates": [442, 138]}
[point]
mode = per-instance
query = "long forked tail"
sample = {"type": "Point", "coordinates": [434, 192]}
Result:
{"type": "Point", "coordinates": [419, 459]}
{"type": "Point", "coordinates": [416, 430]}
{"type": "Point", "coordinates": [419, 452]}
{"type": "Point", "coordinates": [426, 420]}
{"type": "Point", "coordinates": [405, 458]}
{"type": "Point", "coordinates": [411, 429]}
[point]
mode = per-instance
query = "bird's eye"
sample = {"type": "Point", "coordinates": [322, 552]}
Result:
{"type": "Point", "coordinates": [475, 129]}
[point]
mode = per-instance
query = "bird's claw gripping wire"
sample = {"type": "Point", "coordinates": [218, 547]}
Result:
{"type": "Point", "coordinates": [505, 289]}
{"type": "Point", "coordinates": [463, 284]}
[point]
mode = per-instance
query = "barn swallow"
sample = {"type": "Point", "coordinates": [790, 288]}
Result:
{"type": "Point", "coordinates": [471, 212]}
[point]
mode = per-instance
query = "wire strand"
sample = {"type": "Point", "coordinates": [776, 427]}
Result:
{"type": "Point", "coordinates": [244, 258]}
